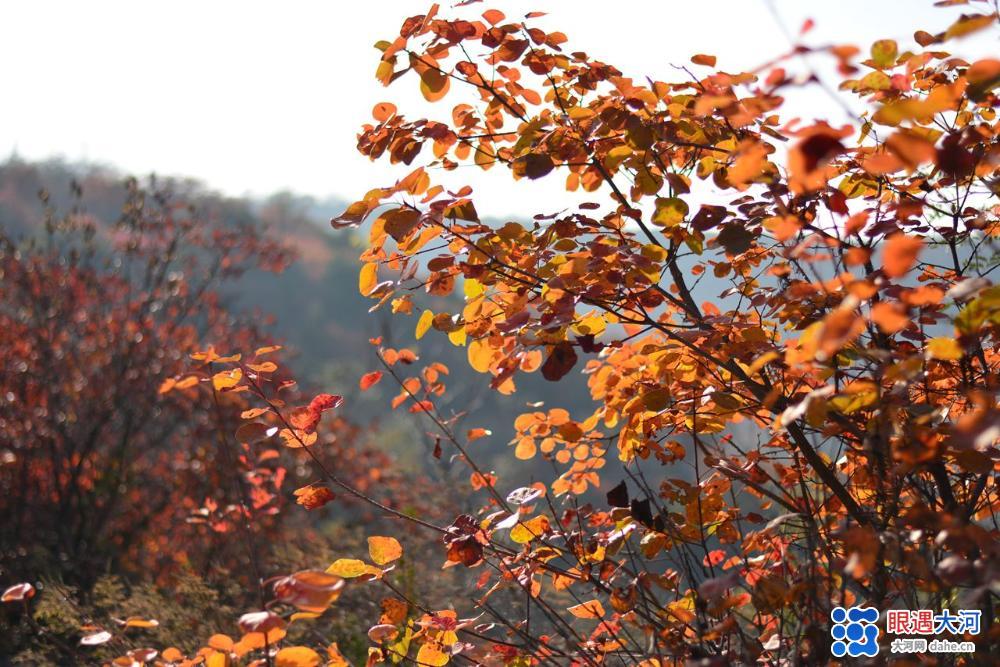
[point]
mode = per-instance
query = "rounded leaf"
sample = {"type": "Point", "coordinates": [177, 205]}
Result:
{"type": "Point", "coordinates": [384, 550]}
{"type": "Point", "coordinates": [297, 656]}
{"type": "Point", "coordinates": [19, 593]}
{"type": "Point", "coordinates": [96, 638]}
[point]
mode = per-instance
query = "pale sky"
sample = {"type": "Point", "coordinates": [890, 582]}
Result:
{"type": "Point", "coordinates": [252, 97]}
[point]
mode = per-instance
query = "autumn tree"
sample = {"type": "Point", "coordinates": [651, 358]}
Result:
{"type": "Point", "coordinates": [91, 315]}
{"type": "Point", "coordinates": [819, 431]}
{"type": "Point", "coordinates": [127, 485]}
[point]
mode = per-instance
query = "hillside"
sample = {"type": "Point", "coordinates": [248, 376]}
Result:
{"type": "Point", "coordinates": [314, 305]}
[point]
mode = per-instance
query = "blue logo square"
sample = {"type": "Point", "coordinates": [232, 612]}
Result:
{"type": "Point", "coordinates": [854, 632]}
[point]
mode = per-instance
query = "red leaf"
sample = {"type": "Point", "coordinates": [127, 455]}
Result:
{"type": "Point", "coordinates": [368, 380]}
{"type": "Point", "coordinates": [493, 16]}
{"type": "Point", "coordinates": [325, 402]}
{"type": "Point", "coordinates": [560, 362]}
{"type": "Point", "coordinates": [313, 497]}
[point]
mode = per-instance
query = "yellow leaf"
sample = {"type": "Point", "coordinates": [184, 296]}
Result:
{"type": "Point", "coordinates": [431, 653]}
{"type": "Point", "coordinates": [227, 379]}
{"type": "Point", "coordinates": [297, 656]}
{"type": "Point", "coordinates": [590, 609]}
{"type": "Point", "coordinates": [187, 382]}
{"type": "Point", "coordinates": [457, 337]}
{"type": "Point", "coordinates": [682, 609]}
{"type": "Point", "coordinates": [884, 52]}
{"type": "Point", "coordinates": [336, 658]}
{"type": "Point", "coordinates": [349, 568]}
{"type": "Point", "coordinates": [303, 616]}
{"type": "Point", "coordinates": [480, 355]}
{"type": "Point", "coordinates": [946, 349]}
{"type": "Point", "coordinates": [857, 396]}
{"type": "Point", "coordinates": [526, 531]}
{"type": "Point", "coordinates": [368, 278]}
{"type": "Point", "coordinates": [592, 325]}
{"type": "Point", "coordinates": [654, 252]}
{"type": "Point", "coordinates": [472, 288]}
{"type": "Point", "coordinates": [384, 549]}
{"type": "Point", "coordinates": [434, 83]}
{"type": "Point", "coordinates": [670, 211]}
{"type": "Point", "coordinates": [263, 367]}
{"type": "Point", "coordinates": [424, 323]}
{"type": "Point", "coordinates": [616, 156]}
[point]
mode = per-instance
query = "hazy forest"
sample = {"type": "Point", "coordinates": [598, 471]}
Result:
{"type": "Point", "coordinates": [737, 376]}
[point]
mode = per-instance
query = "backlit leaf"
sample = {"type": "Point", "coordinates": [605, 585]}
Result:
{"type": "Point", "coordinates": [532, 529]}
{"type": "Point", "coordinates": [900, 254]}
{"type": "Point", "coordinates": [350, 568]}
{"type": "Point", "coordinates": [369, 380]}
{"type": "Point", "coordinates": [368, 278]}
{"type": "Point", "coordinates": [944, 349]}
{"type": "Point", "coordinates": [297, 656]}
{"type": "Point", "coordinates": [424, 323]}
{"type": "Point", "coordinates": [384, 550]}
{"type": "Point", "coordinates": [591, 609]}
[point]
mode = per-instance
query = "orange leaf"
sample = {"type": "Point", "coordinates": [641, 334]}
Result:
{"type": "Point", "coordinates": [944, 349]}
{"type": "Point", "coordinates": [384, 550]}
{"type": "Point", "coordinates": [424, 323]}
{"type": "Point", "coordinates": [297, 656]}
{"type": "Point", "coordinates": [480, 355]}
{"type": "Point", "coordinates": [434, 83]}
{"type": "Point", "coordinates": [224, 380]}
{"type": "Point", "coordinates": [383, 111]}
{"type": "Point", "coordinates": [476, 433]}
{"type": "Point", "coordinates": [369, 380]}
{"type": "Point", "coordinates": [900, 254]}
{"type": "Point", "coordinates": [312, 497]}
{"type": "Point", "coordinates": [493, 16]}
{"type": "Point", "coordinates": [368, 278]}
{"type": "Point", "coordinates": [889, 317]}
{"type": "Point", "coordinates": [590, 609]}
{"type": "Point", "coordinates": [432, 654]}
{"type": "Point", "coordinates": [221, 642]}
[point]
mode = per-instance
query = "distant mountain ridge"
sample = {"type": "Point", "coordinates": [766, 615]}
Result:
{"type": "Point", "coordinates": [316, 308]}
